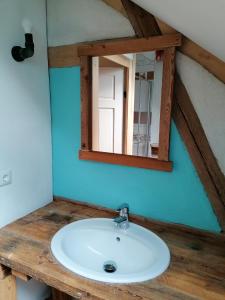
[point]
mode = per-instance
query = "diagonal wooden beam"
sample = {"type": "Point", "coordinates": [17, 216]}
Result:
{"type": "Point", "coordinates": [143, 23]}
{"type": "Point", "coordinates": [209, 61]}
{"type": "Point", "coordinates": [117, 5]}
{"type": "Point", "coordinates": [195, 126]}
{"type": "Point", "coordinates": [191, 131]}
{"type": "Point", "coordinates": [194, 138]}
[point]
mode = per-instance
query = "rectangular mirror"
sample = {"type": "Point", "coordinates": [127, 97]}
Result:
{"type": "Point", "coordinates": [127, 90]}
{"type": "Point", "coordinates": [126, 101]}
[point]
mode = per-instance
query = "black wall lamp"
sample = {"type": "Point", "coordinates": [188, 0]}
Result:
{"type": "Point", "coordinates": [20, 53]}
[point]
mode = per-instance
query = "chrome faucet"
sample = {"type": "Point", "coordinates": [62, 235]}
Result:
{"type": "Point", "coordinates": [122, 220]}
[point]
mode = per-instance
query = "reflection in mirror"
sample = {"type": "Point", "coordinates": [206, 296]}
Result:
{"type": "Point", "coordinates": [126, 99]}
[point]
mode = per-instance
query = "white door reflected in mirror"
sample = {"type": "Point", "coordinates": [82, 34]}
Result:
{"type": "Point", "coordinates": [126, 100]}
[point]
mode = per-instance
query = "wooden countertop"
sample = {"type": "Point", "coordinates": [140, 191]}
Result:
{"type": "Point", "coordinates": [197, 269]}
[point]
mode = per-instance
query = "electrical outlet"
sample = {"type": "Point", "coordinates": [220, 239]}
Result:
{"type": "Point", "coordinates": [5, 177]}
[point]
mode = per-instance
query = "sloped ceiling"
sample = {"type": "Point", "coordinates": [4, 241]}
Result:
{"type": "Point", "coordinates": [203, 21]}
{"type": "Point", "coordinates": [74, 21]}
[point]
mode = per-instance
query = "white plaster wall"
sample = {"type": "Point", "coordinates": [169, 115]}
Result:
{"type": "Point", "coordinates": [208, 97]}
{"type": "Point", "coordinates": [200, 20]}
{"type": "Point", "coordinates": [203, 21]}
{"type": "Point", "coordinates": [74, 21]}
{"type": "Point", "coordinates": [25, 137]}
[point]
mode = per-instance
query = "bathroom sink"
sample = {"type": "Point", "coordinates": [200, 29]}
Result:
{"type": "Point", "coordinates": [97, 249]}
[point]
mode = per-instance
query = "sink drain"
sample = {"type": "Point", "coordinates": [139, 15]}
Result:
{"type": "Point", "coordinates": [109, 267]}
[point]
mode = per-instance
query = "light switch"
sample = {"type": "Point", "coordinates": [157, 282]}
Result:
{"type": "Point", "coordinates": [5, 177]}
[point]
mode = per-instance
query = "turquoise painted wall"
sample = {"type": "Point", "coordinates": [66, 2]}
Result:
{"type": "Point", "coordinates": [176, 197]}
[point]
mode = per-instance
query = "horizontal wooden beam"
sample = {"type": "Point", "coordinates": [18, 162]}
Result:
{"type": "Point", "coordinates": [206, 59]}
{"type": "Point", "coordinates": [21, 276]}
{"type": "Point", "coordinates": [130, 46]}
{"type": "Point", "coordinates": [63, 56]}
{"type": "Point", "coordinates": [67, 56]}
{"type": "Point", "coordinates": [127, 160]}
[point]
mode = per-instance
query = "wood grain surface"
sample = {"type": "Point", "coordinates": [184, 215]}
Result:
{"type": "Point", "coordinates": [196, 270]}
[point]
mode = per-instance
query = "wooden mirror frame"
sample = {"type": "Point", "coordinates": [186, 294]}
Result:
{"type": "Point", "coordinates": [167, 43]}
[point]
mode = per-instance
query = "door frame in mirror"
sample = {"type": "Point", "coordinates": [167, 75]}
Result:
{"type": "Point", "coordinates": [167, 43]}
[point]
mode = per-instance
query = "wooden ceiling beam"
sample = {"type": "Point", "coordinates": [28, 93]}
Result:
{"type": "Point", "coordinates": [194, 124]}
{"type": "Point", "coordinates": [192, 132]}
{"type": "Point", "coordinates": [116, 5]}
{"type": "Point", "coordinates": [143, 23]}
{"type": "Point", "coordinates": [209, 61]}
{"type": "Point", "coordinates": [196, 142]}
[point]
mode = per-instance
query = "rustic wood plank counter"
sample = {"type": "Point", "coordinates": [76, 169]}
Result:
{"type": "Point", "coordinates": [197, 269]}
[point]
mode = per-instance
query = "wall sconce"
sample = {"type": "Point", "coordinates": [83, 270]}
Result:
{"type": "Point", "coordinates": [19, 53]}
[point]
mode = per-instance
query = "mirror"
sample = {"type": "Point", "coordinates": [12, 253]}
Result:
{"type": "Point", "coordinates": [126, 100]}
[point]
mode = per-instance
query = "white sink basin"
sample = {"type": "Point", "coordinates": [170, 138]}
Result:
{"type": "Point", "coordinates": [97, 249]}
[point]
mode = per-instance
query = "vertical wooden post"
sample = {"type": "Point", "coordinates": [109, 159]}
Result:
{"type": "Point", "coordinates": [166, 102]}
{"type": "Point", "coordinates": [8, 288]}
{"type": "Point", "coordinates": [86, 103]}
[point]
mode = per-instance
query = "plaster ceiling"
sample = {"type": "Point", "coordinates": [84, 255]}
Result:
{"type": "Point", "coordinates": [202, 21]}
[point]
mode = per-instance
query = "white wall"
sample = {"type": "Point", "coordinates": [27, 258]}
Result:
{"type": "Point", "coordinates": [74, 21]}
{"type": "Point", "coordinates": [25, 137]}
{"type": "Point", "coordinates": [202, 21]}
{"type": "Point", "coordinates": [208, 97]}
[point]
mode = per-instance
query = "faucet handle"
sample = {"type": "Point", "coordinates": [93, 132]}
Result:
{"type": "Point", "coordinates": [123, 207]}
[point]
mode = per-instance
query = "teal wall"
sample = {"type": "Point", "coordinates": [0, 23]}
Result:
{"type": "Point", "coordinates": [175, 197]}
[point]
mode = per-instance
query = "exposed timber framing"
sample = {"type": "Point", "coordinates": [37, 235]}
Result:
{"type": "Point", "coordinates": [194, 124]}
{"type": "Point", "coordinates": [193, 135]}
{"type": "Point", "coordinates": [199, 150]}
{"type": "Point", "coordinates": [63, 56]}
{"type": "Point", "coordinates": [21, 276]}
{"type": "Point", "coordinates": [8, 288]}
{"type": "Point", "coordinates": [86, 107]}
{"type": "Point", "coordinates": [117, 5]}
{"type": "Point", "coordinates": [138, 18]}
{"type": "Point", "coordinates": [66, 56]}
{"type": "Point", "coordinates": [127, 160]}
{"type": "Point", "coordinates": [131, 45]}
{"type": "Point", "coordinates": [87, 52]}
{"type": "Point", "coordinates": [209, 61]}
